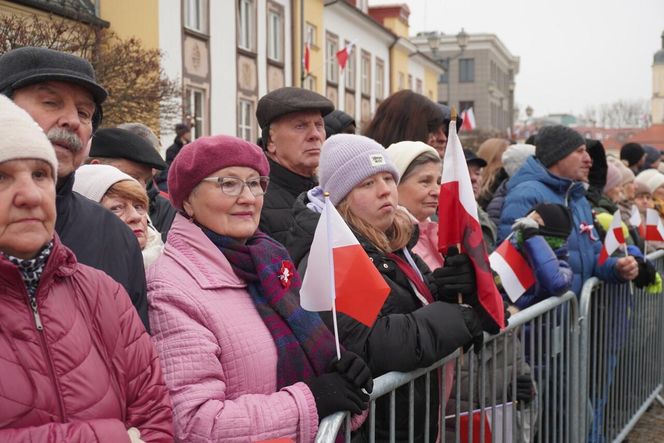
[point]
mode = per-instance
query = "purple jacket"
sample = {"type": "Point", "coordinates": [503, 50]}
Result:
{"type": "Point", "coordinates": [218, 357]}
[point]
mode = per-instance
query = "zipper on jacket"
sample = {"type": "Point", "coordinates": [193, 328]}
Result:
{"type": "Point", "coordinates": [567, 194]}
{"type": "Point", "coordinates": [35, 313]}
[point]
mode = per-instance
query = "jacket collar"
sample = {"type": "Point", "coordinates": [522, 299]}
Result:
{"type": "Point", "coordinates": [199, 257]}
{"type": "Point", "coordinates": [534, 170]}
{"type": "Point", "coordinates": [292, 182]}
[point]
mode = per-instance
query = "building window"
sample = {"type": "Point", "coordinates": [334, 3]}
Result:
{"type": "Point", "coordinates": [195, 15]}
{"type": "Point", "coordinates": [244, 119]}
{"type": "Point", "coordinates": [275, 32]}
{"type": "Point", "coordinates": [332, 67]}
{"type": "Point", "coordinates": [410, 82]}
{"type": "Point", "coordinates": [246, 26]}
{"type": "Point", "coordinates": [310, 82]}
{"type": "Point", "coordinates": [466, 70]}
{"type": "Point", "coordinates": [380, 79]}
{"type": "Point", "coordinates": [365, 73]}
{"type": "Point", "coordinates": [401, 81]}
{"type": "Point", "coordinates": [465, 105]}
{"type": "Point", "coordinates": [195, 106]}
{"type": "Point", "coordinates": [418, 85]}
{"type": "Point", "coordinates": [311, 35]}
{"type": "Point", "coordinates": [350, 68]}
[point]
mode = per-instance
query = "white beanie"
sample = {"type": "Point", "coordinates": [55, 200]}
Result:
{"type": "Point", "coordinates": [515, 156]}
{"type": "Point", "coordinates": [402, 154]}
{"type": "Point", "coordinates": [655, 181]}
{"type": "Point", "coordinates": [643, 178]}
{"type": "Point", "coordinates": [22, 137]}
{"type": "Point", "coordinates": [93, 181]}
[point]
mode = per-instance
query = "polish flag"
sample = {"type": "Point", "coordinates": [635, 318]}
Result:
{"type": "Point", "coordinates": [343, 55]}
{"type": "Point", "coordinates": [470, 423]}
{"type": "Point", "coordinates": [306, 60]}
{"type": "Point", "coordinates": [513, 269]}
{"type": "Point", "coordinates": [635, 217]}
{"type": "Point", "coordinates": [654, 228]}
{"type": "Point", "coordinates": [340, 273]}
{"type": "Point", "coordinates": [458, 224]}
{"type": "Point", "coordinates": [614, 238]}
{"type": "Point", "coordinates": [468, 117]}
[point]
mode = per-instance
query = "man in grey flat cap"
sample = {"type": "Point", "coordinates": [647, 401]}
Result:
{"type": "Point", "coordinates": [61, 93]}
{"type": "Point", "coordinates": [293, 132]}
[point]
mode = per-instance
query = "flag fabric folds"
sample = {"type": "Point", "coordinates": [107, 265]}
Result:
{"type": "Point", "coordinates": [459, 225]}
{"type": "Point", "coordinates": [614, 239]}
{"type": "Point", "coordinates": [635, 217]}
{"type": "Point", "coordinates": [340, 271]}
{"type": "Point", "coordinates": [343, 54]}
{"type": "Point", "coordinates": [468, 117]}
{"type": "Point", "coordinates": [654, 228]}
{"type": "Point", "coordinates": [513, 269]}
{"type": "Point", "coordinates": [306, 60]}
{"type": "Point", "coordinates": [499, 415]}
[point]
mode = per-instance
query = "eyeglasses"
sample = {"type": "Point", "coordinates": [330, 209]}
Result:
{"type": "Point", "coordinates": [233, 187]}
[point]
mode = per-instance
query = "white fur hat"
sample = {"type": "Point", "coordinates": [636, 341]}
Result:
{"type": "Point", "coordinates": [93, 181]}
{"type": "Point", "coordinates": [403, 153]}
{"type": "Point", "coordinates": [22, 138]}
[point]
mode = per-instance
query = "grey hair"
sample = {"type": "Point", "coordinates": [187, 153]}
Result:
{"type": "Point", "coordinates": [422, 159]}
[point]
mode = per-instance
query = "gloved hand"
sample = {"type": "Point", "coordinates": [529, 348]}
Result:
{"type": "Point", "coordinates": [527, 226]}
{"type": "Point", "coordinates": [134, 435]}
{"type": "Point", "coordinates": [474, 325]}
{"type": "Point", "coordinates": [333, 393]}
{"type": "Point", "coordinates": [646, 275]}
{"type": "Point", "coordinates": [525, 391]}
{"type": "Point", "coordinates": [456, 277]}
{"type": "Point", "coordinates": [354, 369]}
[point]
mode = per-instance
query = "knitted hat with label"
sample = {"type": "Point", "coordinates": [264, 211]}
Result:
{"type": "Point", "coordinates": [347, 159]}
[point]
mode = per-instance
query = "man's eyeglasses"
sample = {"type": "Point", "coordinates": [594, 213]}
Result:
{"type": "Point", "coordinates": [233, 186]}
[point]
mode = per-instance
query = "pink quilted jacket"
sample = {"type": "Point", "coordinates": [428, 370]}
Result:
{"type": "Point", "coordinates": [219, 358]}
{"type": "Point", "coordinates": [90, 374]}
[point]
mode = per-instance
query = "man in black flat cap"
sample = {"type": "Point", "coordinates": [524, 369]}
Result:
{"type": "Point", "coordinates": [293, 132]}
{"type": "Point", "coordinates": [137, 157]}
{"type": "Point", "coordinates": [61, 93]}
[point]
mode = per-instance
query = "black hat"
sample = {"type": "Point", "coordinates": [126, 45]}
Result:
{"type": "Point", "coordinates": [472, 158]}
{"type": "Point", "coordinates": [557, 220]}
{"type": "Point", "coordinates": [447, 117]}
{"type": "Point", "coordinates": [554, 143]}
{"type": "Point", "coordinates": [336, 121]}
{"type": "Point", "coordinates": [120, 143]}
{"type": "Point", "coordinates": [283, 101]}
{"type": "Point", "coordinates": [632, 152]}
{"type": "Point", "coordinates": [29, 65]}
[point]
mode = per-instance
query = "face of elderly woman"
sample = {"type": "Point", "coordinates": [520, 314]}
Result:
{"type": "Point", "coordinates": [418, 192]}
{"type": "Point", "coordinates": [375, 200]}
{"type": "Point", "coordinates": [133, 213]}
{"type": "Point", "coordinates": [233, 216]}
{"type": "Point", "coordinates": [27, 207]}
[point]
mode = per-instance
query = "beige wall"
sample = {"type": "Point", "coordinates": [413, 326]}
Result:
{"type": "Point", "coordinates": [130, 18]}
{"type": "Point", "coordinates": [313, 13]}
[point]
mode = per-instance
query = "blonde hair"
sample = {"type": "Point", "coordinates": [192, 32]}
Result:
{"type": "Point", "coordinates": [130, 190]}
{"type": "Point", "coordinates": [393, 238]}
{"type": "Point", "coordinates": [491, 151]}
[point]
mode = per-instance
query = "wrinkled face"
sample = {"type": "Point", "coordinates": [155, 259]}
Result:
{"type": "Point", "coordinates": [27, 207]}
{"type": "Point", "coordinates": [140, 172]}
{"type": "Point", "coordinates": [64, 111]}
{"type": "Point", "coordinates": [475, 172]}
{"type": "Point", "coordinates": [375, 200]}
{"type": "Point", "coordinates": [615, 194]}
{"type": "Point", "coordinates": [575, 166]}
{"type": "Point", "coordinates": [133, 213]}
{"type": "Point", "coordinates": [629, 190]}
{"type": "Point", "coordinates": [438, 140]}
{"type": "Point", "coordinates": [296, 140]}
{"type": "Point", "coordinates": [643, 202]}
{"type": "Point", "coordinates": [236, 217]}
{"type": "Point", "coordinates": [419, 191]}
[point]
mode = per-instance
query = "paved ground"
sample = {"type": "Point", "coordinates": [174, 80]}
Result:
{"type": "Point", "coordinates": [650, 428]}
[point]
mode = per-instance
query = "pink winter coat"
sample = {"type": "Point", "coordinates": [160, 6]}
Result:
{"type": "Point", "coordinates": [90, 374]}
{"type": "Point", "coordinates": [219, 358]}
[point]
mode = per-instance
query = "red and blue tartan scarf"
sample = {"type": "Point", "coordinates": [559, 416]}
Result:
{"type": "Point", "coordinates": [305, 346]}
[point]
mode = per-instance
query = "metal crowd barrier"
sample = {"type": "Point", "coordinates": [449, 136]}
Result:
{"type": "Point", "coordinates": [541, 341]}
{"type": "Point", "coordinates": [622, 361]}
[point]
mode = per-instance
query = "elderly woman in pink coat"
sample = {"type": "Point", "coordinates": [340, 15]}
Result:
{"type": "Point", "coordinates": [242, 360]}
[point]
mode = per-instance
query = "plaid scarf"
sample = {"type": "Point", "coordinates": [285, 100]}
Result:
{"type": "Point", "coordinates": [305, 346]}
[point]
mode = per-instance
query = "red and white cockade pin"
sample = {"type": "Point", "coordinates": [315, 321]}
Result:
{"type": "Point", "coordinates": [286, 273]}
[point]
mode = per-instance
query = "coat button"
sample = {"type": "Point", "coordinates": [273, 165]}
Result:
{"type": "Point", "coordinates": [385, 265]}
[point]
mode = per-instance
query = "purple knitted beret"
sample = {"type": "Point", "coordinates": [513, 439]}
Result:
{"type": "Point", "coordinates": [206, 155]}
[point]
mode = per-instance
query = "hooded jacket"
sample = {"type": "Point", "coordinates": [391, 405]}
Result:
{"type": "Point", "coordinates": [534, 184]}
{"type": "Point", "coordinates": [100, 239]}
{"type": "Point", "coordinates": [90, 373]}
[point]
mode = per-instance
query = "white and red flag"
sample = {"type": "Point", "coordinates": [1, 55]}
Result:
{"type": "Point", "coordinates": [343, 54]}
{"type": "Point", "coordinates": [614, 239]}
{"type": "Point", "coordinates": [459, 225]}
{"type": "Point", "coordinates": [635, 217]}
{"type": "Point", "coordinates": [472, 428]}
{"type": "Point", "coordinates": [468, 117]}
{"type": "Point", "coordinates": [306, 59]}
{"type": "Point", "coordinates": [513, 269]}
{"type": "Point", "coordinates": [340, 274]}
{"type": "Point", "coordinates": [654, 228]}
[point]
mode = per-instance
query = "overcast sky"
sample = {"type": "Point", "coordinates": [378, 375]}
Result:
{"type": "Point", "coordinates": [574, 53]}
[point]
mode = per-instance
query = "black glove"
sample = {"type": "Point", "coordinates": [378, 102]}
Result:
{"type": "Point", "coordinates": [525, 391]}
{"type": "Point", "coordinates": [457, 276]}
{"type": "Point", "coordinates": [354, 369]}
{"type": "Point", "coordinates": [333, 393]}
{"type": "Point", "coordinates": [647, 273]}
{"type": "Point", "coordinates": [474, 325]}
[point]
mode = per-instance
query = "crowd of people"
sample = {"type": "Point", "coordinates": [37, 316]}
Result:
{"type": "Point", "coordinates": [150, 300]}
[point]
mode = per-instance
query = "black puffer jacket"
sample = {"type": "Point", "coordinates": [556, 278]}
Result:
{"type": "Point", "coordinates": [405, 336]}
{"type": "Point", "coordinates": [162, 212]}
{"type": "Point", "coordinates": [277, 213]}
